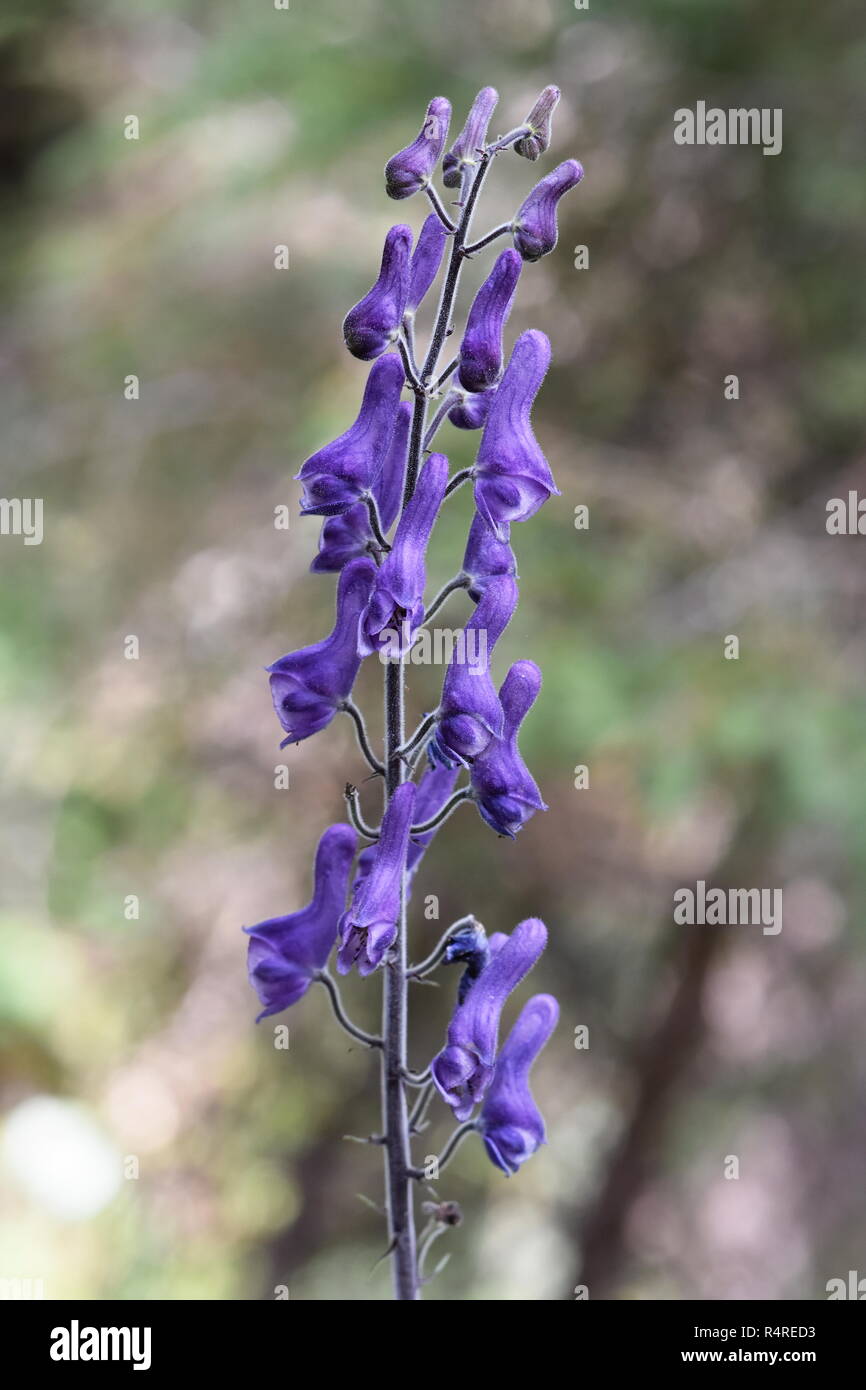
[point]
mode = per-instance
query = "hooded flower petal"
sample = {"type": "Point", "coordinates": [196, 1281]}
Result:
{"type": "Point", "coordinates": [463, 1069]}
{"type": "Point", "coordinates": [463, 154]}
{"type": "Point", "coordinates": [426, 260]}
{"type": "Point", "coordinates": [434, 789]}
{"type": "Point", "coordinates": [396, 604]}
{"type": "Point", "coordinates": [412, 168]}
{"type": "Point", "coordinates": [469, 712]}
{"type": "Point", "coordinates": [534, 226]}
{"type": "Point", "coordinates": [369, 928]}
{"type": "Point", "coordinates": [505, 792]}
{"type": "Point", "coordinates": [512, 476]}
{"type": "Point", "coordinates": [539, 122]}
{"type": "Point", "coordinates": [480, 362]}
{"type": "Point", "coordinates": [510, 1121]}
{"type": "Point", "coordinates": [308, 686]}
{"type": "Point", "coordinates": [339, 475]}
{"type": "Point", "coordinates": [345, 537]}
{"type": "Point", "coordinates": [469, 412]}
{"type": "Point", "coordinates": [286, 952]}
{"type": "Point", "coordinates": [372, 326]}
{"type": "Point", "coordinates": [486, 557]}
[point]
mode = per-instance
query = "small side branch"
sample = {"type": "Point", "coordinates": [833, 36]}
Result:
{"type": "Point", "coordinates": [420, 1108]}
{"type": "Point", "coordinates": [449, 370]}
{"type": "Point", "coordinates": [499, 231]}
{"type": "Point", "coordinates": [354, 809]}
{"type": "Point", "coordinates": [439, 418]}
{"type": "Point", "coordinates": [368, 1039]}
{"type": "Point", "coordinates": [459, 581]}
{"type": "Point", "coordinates": [458, 480]}
{"type": "Point", "coordinates": [420, 734]}
{"type": "Point", "coordinates": [470, 1127]}
{"type": "Point", "coordinates": [350, 708]}
{"type": "Point", "coordinates": [417, 972]}
{"type": "Point", "coordinates": [465, 794]}
{"type": "Point", "coordinates": [436, 204]}
{"type": "Point", "coordinates": [375, 521]}
{"type": "Point", "coordinates": [409, 367]}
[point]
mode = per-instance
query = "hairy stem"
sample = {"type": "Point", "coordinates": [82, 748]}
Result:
{"type": "Point", "coordinates": [350, 708]}
{"type": "Point", "coordinates": [459, 1134]}
{"type": "Point", "coordinates": [340, 1013]}
{"type": "Point", "coordinates": [448, 809]}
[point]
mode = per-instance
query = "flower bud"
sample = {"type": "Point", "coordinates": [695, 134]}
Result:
{"type": "Point", "coordinates": [463, 154]}
{"type": "Point", "coordinates": [372, 326]}
{"type": "Point", "coordinates": [412, 169]}
{"type": "Point", "coordinates": [338, 476]}
{"type": "Point", "coordinates": [480, 361]}
{"type": "Point", "coordinates": [534, 226]}
{"type": "Point", "coordinates": [510, 1122]}
{"type": "Point", "coordinates": [426, 260]}
{"type": "Point", "coordinates": [512, 476]}
{"type": "Point", "coordinates": [536, 142]}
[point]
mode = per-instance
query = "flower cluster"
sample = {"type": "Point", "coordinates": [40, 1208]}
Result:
{"type": "Point", "coordinates": [379, 489]}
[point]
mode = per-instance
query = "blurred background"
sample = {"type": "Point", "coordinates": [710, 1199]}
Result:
{"type": "Point", "coordinates": [154, 1144]}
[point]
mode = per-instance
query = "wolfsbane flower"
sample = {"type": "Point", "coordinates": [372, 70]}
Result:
{"type": "Point", "coordinates": [286, 953]}
{"type": "Point", "coordinates": [510, 1121]}
{"type": "Point", "coordinates": [539, 122]}
{"type": "Point", "coordinates": [340, 474]}
{"type": "Point", "coordinates": [469, 711]}
{"type": "Point", "coordinates": [486, 557]}
{"type": "Point", "coordinates": [349, 535]}
{"type": "Point", "coordinates": [412, 169]}
{"type": "Point", "coordinates": [308, 686]}
{"type": "Point", "coordinates": [480, 361]}
{"type": "Point", "coordinates": [369, 928]}
{"type": "Point", "coordinates": [463, 1069]}
{"type": "Point", "coordinates": [534, 227]}
{"type": "Point", "coordinates": [373, 325]}
{"type": "Point", "coordinates": [505, 793]}
{"type": "Point", "coordinates": [433, 790]}
{"type": "Point", "coordinates": [463, 154]}
{"type": "Point", "coordinates": [426, 260]}
{"type": "Point", "coordinates": [512, 476]}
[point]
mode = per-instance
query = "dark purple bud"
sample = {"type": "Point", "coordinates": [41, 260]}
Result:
{"type": "Point", "coordinates": [368, 929]}
{"type": "Point", "coordinates": [512, 476]}
{"type": "Point", "coordinates": [396, 606]}
{"type": "Point", "coordinates": [469, 712]}
{"type": "Point", "coordinates": [463, 1069]}
{"type": "Point", "coordinates": [426, 260]}
{"type": "Point", "coordinates": [485, 558]}
{"type": "Point", "coordinates": [505, 792]}
{"type": "Point", "coordinates": [373, 325]}
{"type": "Point", "coordinates": [538, 121]}
{"type": "Point", "coordinates": [510, 1121]}
{"type": "Point", "coordinates": [470, 412]}
{"type": "Point", "coordinates": [434, 789]}
{"type": "Point", "coordinates": [286, 952]}
{"type": "Point", "coordinates": [480, 363]}
{"type": "Point", "coordinates": [308, 686]}
{"type": "Point", "coordinates": [336, 477]}
{"type": "Point", "coordinates": [463, 154]}
{"type": "Point", "coordinates": [534, 226]}
{"type": "Point", "coordinates": [469, 945]}
{"type": "Point", "coordinates": [410, 170]}
{"type": "Point", "coordinates": [345, 537]}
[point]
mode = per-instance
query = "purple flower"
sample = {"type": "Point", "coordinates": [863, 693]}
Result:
{"type": "Point", "coordinates": [470, 412]}
{"type": "Point", "coordinates": [434, 789]}
{"type": "Point", "coordinates": [348, 535]}
{"type": "Point", "coordinates": [285, 953]}
{"type": "Point", "coordinates": [470, 714]}
{"type": "Point", "coordinates": [396, 604]}
{"type": "Point", "coordinates": [534, 226]}
{"type": "Point", "coordinates": [373, 325]}
{"type": "Point", "coordinates": [512, 476]}
{"type": "Point", "coordinates": [470, 946]}
{"type": "Point", "coordinates": [510, 1122]}
{"type": "Point", "coordinates": [426, 260]}
{"type": "Point", "coordinates": [308, 686]}
{"type": "Point", "coordinates": [341, 473]}
{"type": "Point", "coordinates": [480, 363]}
{"type": "Point", "coordinates": [538, 121]}
{"type": "Point", "coordinates": [410, 170]}
{"type": "Point", "coordinates": [463, 154]}
{"type": "Point", "coordinates": [485, 557]}
{"type": "Point", "coordinates": [463, 1069]}
{"type": "Point", "coordinates": [503, 787]}
{"type": "Point", "coordinates": [369, 927]}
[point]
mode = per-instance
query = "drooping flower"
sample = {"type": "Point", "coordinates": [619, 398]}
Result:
{"type": "Point", "coordinates": [411, 169]}
{"type": "Point", "coordinates": [470, 946]}
{"type": "Point", "coordinates": [469, 711]}
{"type": "Point", "coordinates": [341, 473]}
{"type": "Point", "coordinates": [426, 260]}
{"type": "Point", "coordinates": [344, 537]}
{"type": "Point", "coordinates": [485, 557]}
{"type": "Point", "coordinates": [308, 686]}
{"type": "Point", "coordinates": [469, 412]}
{"type": "Point", "coordinates": [463, 1069]}
{"type": "Point", "coordinates": [463, 154]}
{"type": "Point", "coordinates": [285, 953]}
{"type": "Point", "coordinates": [434, 788]}
{"type": "Point", "coordinates": [373, 325]}
{"type": "Point", "coordinates": [512, 476]}
{"type": "Point", "coordinates": [510, 1122]}
{"type": "Point", "coordinates": [396, 606]}
{"type": "Point", "coordinates": [539, 121]}
{"type": "Point", "coordinates": [480, 361]}
{"type": "Point", "coordinates": [369, 927]}
{"type": "Point", "coordinates": [505, 792]}
{"type": "Point", "coordinates": [534, 227]}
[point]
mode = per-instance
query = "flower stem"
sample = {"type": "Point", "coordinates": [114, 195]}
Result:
{"type": "Point", "coordinates": [486, 240]}
{"type": "Point", "coordinates": [340, 1013]}
{"type": "Point", "coordinates": [448, 809]}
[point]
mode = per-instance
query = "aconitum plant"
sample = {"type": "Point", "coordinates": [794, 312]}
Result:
{"type": "Point", "coordinates": [380, 487]}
